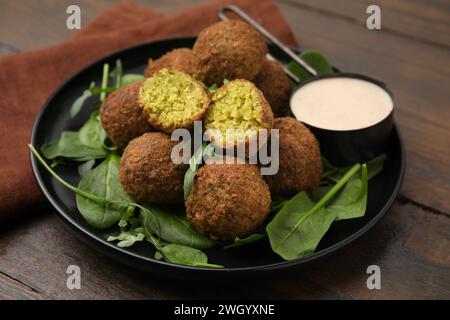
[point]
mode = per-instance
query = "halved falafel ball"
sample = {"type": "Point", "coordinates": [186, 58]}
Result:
{"type": "Point", "coordinates": [122, 117]}
{"type": "Point", "coordinates": [173, 99]}
{"type": "Point", "coordinates": [275, 85]}
{"type": "Point", "coordinates": [147, 172]}
{"type": "Point", "coordinates": [228, 50]}
{"type": "Point", "coordinates": [299, 159]}
{"type": "Point", "coordinates": [177, 59]}
{"type": "Point", "coordinates": [240, 107]}
{"type": "Point", "coordinates": [228, 200]}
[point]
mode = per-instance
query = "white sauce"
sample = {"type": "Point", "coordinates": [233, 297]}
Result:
{"type": "Point", "coordinates": [341, 104]}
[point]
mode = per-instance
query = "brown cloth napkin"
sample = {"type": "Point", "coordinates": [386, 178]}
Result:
{"type": "Point", "coordinates": [27, 79]}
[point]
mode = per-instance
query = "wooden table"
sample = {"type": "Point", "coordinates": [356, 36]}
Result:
{"type": "Point", "coordinates": [411, 245]}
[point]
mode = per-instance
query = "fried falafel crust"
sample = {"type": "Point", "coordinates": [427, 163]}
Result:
{"type": "Point", "coordinates": [178, 59]}
{"type": "Point", "coordinates": [147, 172]}
{"type": "Point", "coordinates": [299, 158]}
{"type": "Point", "coordinates": [275, 85]}
{"type": "Point", "coordinates": [228, 50]}
{"type": "Point", "coordinates": [122, 117]}
{"type": "Point", "coordinates": [228, 200]}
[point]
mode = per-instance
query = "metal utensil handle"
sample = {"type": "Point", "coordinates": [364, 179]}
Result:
{"type": "Point", "coordinates": [266, 34]}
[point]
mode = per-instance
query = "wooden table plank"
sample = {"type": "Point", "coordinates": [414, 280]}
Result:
{"type": "Point", "coordinates": [420, 89]}
{"type": "Point", "coordinates": [34, 29]}
{"type": "Point", "coordinates": [425, 21]}
{"type": "Point", "coordinates": [410, 245]}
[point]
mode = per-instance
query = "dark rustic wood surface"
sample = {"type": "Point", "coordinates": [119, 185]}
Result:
{"type": "Point", "coordinates": [411, 245]}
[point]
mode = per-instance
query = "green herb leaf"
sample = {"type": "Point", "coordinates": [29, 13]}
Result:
{"type": "Point", "coordinates": [298, 227]}
{"type": "Point", "coordinates": [351, 201]}
{"type": "Point", "coordinates": [128, 238]}
{"type": "Point", "coordinates": [79, 102]}
{"type": "Point", "coordinates": [244, 241]}
{"type": "Point", "coordinates": [315, 59]}
{"type": "Point", "coordinates": [205, 150]}
{"type": "Point", "coordinates": [71, 147]}
{"type": "Point", "coordinates": [85, 167]}
{"type": "Point", "coordinates": [179, 254]}
{"type": "Point", "coordinates": [334, 174]}
{"type": "Point", "coordinates": [103, 181]}
{"type": "Point", "coordinates": [90, 132]}
{"type": "Point", "coordinates": [188, 182]}
{"type": "Point", "coordinates": [173, 228]}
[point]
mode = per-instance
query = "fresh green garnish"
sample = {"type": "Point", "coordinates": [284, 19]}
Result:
{"type": "Point", "coordinates": [238, 242]}
{"type": "Point", "coordinates": [315, 59]}
{"type": "Point", "coordinates": [297, 228]}
{"type": "Point", "coordinates": [110, 202]}
{"type": "Point", "coordinates": [173, 228]}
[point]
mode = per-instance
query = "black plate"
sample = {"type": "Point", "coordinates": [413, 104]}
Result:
{"type": "Point", "coordinates": [253, 260]}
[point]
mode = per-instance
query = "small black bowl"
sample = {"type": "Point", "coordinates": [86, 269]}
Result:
{"type": "Point", "coordinates": [346, 147]}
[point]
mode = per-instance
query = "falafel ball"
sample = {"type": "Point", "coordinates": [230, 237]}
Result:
{"type": "Point", "coordinates": [299, 159]}
{"type": "Point", "coordinates": [173, 99]}
{"type": "Point", "coordinates": [275, 85]}
{"type": "Point", "coordinates": [240, 107]}
{"type": "Point", "coordinates": [147, 171]}
{"type": "Point", "coordinates": [122, 117]}
{"type": "Point", "coordinates": [228, 200]}
{"type": "Point", "coordinates": [178, 59]}
{"type": "Point", "coordinates": [228, 50]}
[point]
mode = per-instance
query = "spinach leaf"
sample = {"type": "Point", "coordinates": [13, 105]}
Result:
{"type": "Point", "coordinates": [85, 167]}
{"type": "Point", "coordinates": [103, 181]}
{"type": "Point", "coordinates": [79, 102]}
{"type": "Point", "coordinates": [315, 59]}
{"type": "Point", "coordinates": [298, 227]}
{"type": "Point", "coordinates": [334, 174]}
{"type": "Point", "coordinates": [173, 228]}
{"type": "Point", "coordinates": [205, 150]}
{"type": "Point", "coordinates": [90, 131]}
{"type": "Point", "coordinates": [130, 78]}
{"type": "Point", "coordinates": [70, 146]}
{"type": "Point", "coordinates": [247, 240]}
{"type": "Point", "coordinates": [351, 201]}
{"type": "Point", "coordinates": [179, 254]}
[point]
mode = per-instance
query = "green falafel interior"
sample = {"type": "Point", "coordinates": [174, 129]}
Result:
{"type": "Point", "coordinates": [173, 99]}
{"type": "Point", "coordinates": [237, 110]}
